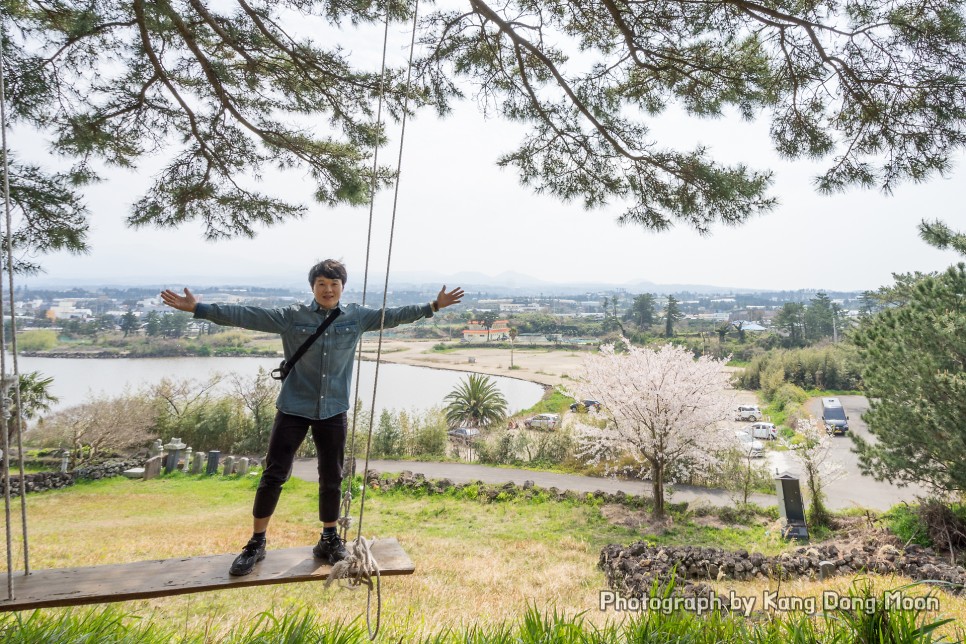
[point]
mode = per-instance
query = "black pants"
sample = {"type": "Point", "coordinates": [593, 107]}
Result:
{"type": "Point", "coordinates": [288, 432]}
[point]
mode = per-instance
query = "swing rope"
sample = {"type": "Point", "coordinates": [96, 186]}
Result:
{"type": "Point", "coordinates": [8, 382]}
{"type": "Point", "coordinates": [359, 567]}
{"type": "Point", "coordinates": [345, 520]}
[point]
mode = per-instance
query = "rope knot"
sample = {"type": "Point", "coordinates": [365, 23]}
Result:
{"type": "Point", "coordinates": [358, 568]}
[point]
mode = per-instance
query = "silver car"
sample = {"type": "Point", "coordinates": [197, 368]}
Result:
{"type": "Point", "coordinates": [749, 445]}
{"type": "Point", "coordinates": [542, 421]}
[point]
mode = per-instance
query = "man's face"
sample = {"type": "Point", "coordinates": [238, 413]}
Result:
{"type": "Point", "coordinates": [327, 292]}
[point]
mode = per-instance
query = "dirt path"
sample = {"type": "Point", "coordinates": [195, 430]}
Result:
{"type": "Point", "coordinates": [543, 366]}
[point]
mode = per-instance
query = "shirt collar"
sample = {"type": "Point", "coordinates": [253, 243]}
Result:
{"type": "Point", "coordinates": [318, 309]}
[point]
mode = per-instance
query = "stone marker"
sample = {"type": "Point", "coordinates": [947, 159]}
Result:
{"type": "Point", "coordinates": [826, 569]}
{"type": "Point", "coordinates": [198, 464]}
{"type": "Point", "coordinates": [187, 460]}
{"type": "Point", "coordinates": [174, 454]}
{"type": "Point", "coordinates": [64, 460]}
{"type": "Point", "coordinates": [242, 468]}
{"type": "Point", "coordinates": [155, 449]}
{"type": "Point", "coordinates": [152, 467]}
{"type": "Point", "coordinates": [213, 457]}
{"type": "Point", "coordinates": [229, 464]}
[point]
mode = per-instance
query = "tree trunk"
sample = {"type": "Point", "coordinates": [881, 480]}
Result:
{"type": "Point", "coordinates": [657, 490]}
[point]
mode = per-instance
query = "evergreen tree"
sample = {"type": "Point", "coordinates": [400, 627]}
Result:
{"type": "Point", "coordinates": [218, 92]}
{"type": "Point", "coordinates": [791, 319]}
{"type": "Point", "coordinates": [487, 319]}
{"type": "Point", "coordinates": [174, 325]}
{"type": "Point", "coordinates": [387, 439]}
{"type": "Point", "coordinates": [642, 311]}
{"type": "Point", "coordinates": [152, 326]}
{"type": "Point", "coordinates": [915, 379]}
{"type": "Point", "coordinates": [939, 235]}
{"type": "Point", "coordinates": [868, 303]}
{"type": "Point", "coordinates": [130, 323]}
{"type": "Point", "coordinates": [49, 213]}
{"type": "Point", "coordinates": [819, 318]}
{"type": "Point", "coordinates": [672, 314]}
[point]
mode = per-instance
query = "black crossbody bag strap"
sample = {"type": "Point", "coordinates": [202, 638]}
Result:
{"type": "Point", "coordinates": [286, 366]}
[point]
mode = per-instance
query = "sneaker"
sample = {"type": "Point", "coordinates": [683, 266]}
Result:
{"type": "Point", "coordinates": [251, 554]}
{"type": "Point", "coordinates": [331, 549]}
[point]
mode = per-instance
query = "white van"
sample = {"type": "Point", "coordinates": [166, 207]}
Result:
{"type": "Point", "coordinates": [748, 413]}
{"type": "Point", "coordinates": [766, 431]}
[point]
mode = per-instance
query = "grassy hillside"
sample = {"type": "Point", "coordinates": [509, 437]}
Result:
{"type": "Point", "coordinates": [483, 567]}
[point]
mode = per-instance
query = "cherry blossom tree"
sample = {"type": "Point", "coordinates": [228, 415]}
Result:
{"type": "Point", "coordinates": [662, 407]}
{"type": "Point", "coordinates": [818, 468]}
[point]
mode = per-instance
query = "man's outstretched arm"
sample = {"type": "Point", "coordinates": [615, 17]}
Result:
{"type": "Point", "coordinates": [246, 317]}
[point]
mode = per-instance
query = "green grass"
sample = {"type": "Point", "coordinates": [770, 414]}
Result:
{"type": "Point", "coordinates": [553, 402]}
{"type": "Point", "coordinates": [521, 568]}
{"type": "Point", "coordinates": [37, 340]}
{"type": "Point", "coordinates": [827, 393]}
{"type": "Point", "coordinates": [873, 623]}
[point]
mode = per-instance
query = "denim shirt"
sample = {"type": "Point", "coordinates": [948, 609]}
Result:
{"type": "Point", "coordinates": [318, 386]}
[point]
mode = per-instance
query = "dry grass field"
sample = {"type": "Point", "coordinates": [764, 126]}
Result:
{"type": "Point", "coordinates": [476, 563]}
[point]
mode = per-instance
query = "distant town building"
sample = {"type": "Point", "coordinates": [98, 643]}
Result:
{"type": "Point", "coordinates": [477, 332]}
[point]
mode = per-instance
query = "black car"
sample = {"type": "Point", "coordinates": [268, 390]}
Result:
{"type": "Point", "coordinates": [587, 405]}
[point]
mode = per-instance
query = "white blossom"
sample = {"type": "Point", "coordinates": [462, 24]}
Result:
{"type": "Point", "coordinates": [662, 407]}
{"type": "Point", "coordinates": [814, 454]}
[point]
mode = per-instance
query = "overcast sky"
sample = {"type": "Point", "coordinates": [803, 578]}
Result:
{"type": "Point", "coordinates": [459, 212]}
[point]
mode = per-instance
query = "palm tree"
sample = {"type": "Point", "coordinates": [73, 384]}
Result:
{"type": "Point", "coordinates": [35, 397]}
{"type": "Point", "coordinates": [475, 401]}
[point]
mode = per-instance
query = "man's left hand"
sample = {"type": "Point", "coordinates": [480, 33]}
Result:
{"type": "Point", "coordinates": [445, 299]}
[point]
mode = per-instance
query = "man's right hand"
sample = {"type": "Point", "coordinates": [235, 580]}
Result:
{"type": "Point", "coordinates": [186, 302]}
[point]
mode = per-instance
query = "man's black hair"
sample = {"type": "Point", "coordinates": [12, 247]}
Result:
{"type": "Point", "coordinates": [330, 269]}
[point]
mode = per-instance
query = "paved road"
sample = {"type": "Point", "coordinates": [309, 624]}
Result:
{"type": "Point", "coordinates": [854, 489]}
{"type": "Point", "coordinates": [468, 473]}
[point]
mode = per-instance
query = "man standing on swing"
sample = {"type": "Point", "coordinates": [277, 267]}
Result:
{"type": "Point", "coordinates": [315, 390]}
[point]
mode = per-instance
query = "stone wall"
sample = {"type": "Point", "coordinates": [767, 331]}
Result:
{"type": "Point", "coordinates": [634, 569]}
{"type": "Point", "coordinates": [496, 492]}
{"type": "Point", "coordinates": [42, 481]}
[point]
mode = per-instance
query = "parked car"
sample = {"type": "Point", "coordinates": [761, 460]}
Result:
{"type": "Point", "coordinates": [588, 405]}
{"type": "Point", "coordinates": [542, 421]}
{"type": "Point", "coordinates": [749, 445]}
{"type": "Point", "coordinates": [767, 431]}
{"type": "Point", "coordinates": [465, 433]}
{"type": "Point", "coordinates": [833, 415]}
{"type": "Point", "coordinates": [748, 413]}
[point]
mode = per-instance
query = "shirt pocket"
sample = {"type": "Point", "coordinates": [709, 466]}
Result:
{"type": "Point", "coordinates": [344, 335]}
{"type": "Point", "coordinates": [303, 331]}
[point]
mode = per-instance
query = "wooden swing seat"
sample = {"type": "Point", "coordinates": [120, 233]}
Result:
{"type": "Point", "coordinates": [165, 577]}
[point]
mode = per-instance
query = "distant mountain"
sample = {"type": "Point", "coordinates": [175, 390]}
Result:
{"type": "Point", "coordinates": [507, 282]}
{"type": "Point", "coordinates": [510, 281]}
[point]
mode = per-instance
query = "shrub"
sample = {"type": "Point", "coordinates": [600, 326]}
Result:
{"type": "Point", "coordinates": [37, 340]}
{"type": "Point", "coordinates": [788, 393]}
{"type": "Point", "coordinates": [834, 366]}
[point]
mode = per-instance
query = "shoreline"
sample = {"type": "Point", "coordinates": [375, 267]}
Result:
{"type": "Point", "coordinates": [544, 367]}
